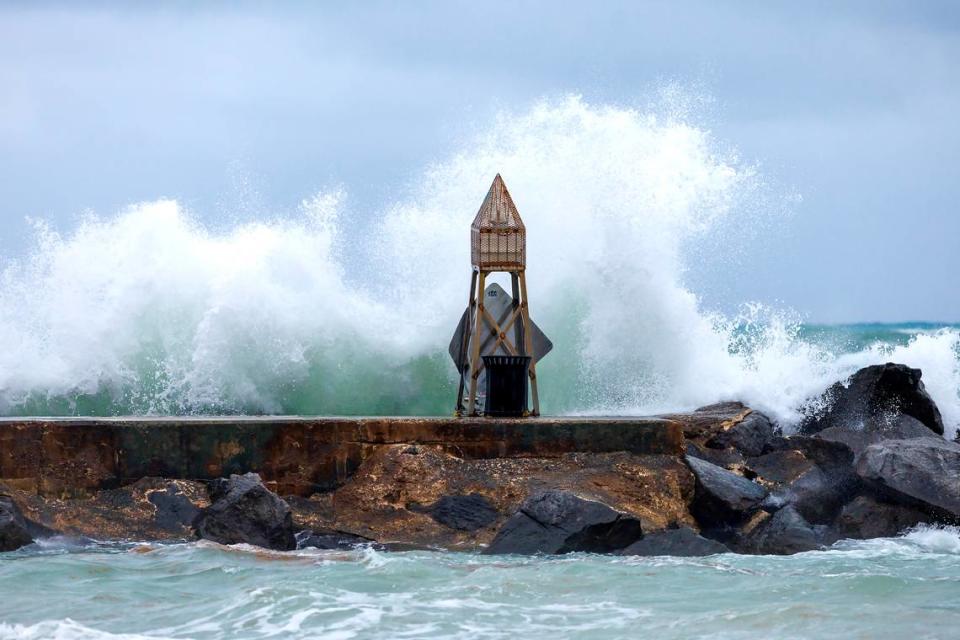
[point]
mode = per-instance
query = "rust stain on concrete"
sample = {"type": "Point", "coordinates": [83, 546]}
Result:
{"type": "Point", "coordinates": [75, 457]}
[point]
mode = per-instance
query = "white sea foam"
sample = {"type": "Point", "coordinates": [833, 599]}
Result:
{"type": "Point", "coordinates": [64, 630]}
{"type": "Point", "coordinates": [148, 311]}
{"type": "Point", "coordinates": [935, 539]}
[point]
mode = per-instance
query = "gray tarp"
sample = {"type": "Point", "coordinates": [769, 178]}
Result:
{"type": "Point", "coordinates": [499, 305]}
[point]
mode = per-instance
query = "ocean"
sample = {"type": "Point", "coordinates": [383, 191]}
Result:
{"type": "Point", "coordinates": [883, 588]}
{"type": "Point", "coordinates": [156, 309]}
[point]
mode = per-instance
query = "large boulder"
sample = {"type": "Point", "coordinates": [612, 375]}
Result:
{"type": "Point", "coordinates": [722, 497]}
{"type": "Point", "coordinates": [561, 522]}
{"type": "Point", "coordinates": [875, 393]}
{"type": "Point", "coordinates": [819, 480]}
{"type": "Point", "coordinates": [817, 494]}
{"type": "Point", "coordinates": [751, 436]}
{"type": "Point", "coordinates": [784, 533]}
{"type": "Point", "coordinates": [242, 510]}
{"type": "Point", "coordinates": [864, 518]}
{"type": "Point", "coordinates": [922, 472]}
{"type": "Point", "coordinates": [683, 541]}
{"type": "Point", "coordinates": [14, 531]}
{"type": "Point", "coordinates": [860, 436]}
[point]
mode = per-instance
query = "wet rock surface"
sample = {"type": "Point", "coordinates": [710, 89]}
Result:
{"type": "Point", "coordinates": [869, 467]}
{"type": "Point", "coordinates": [562, 522]}
{"type": "Point", "coordinates": [14, 531]}
{"type": "Point", "coordinates": [464, 513]}
{"type": "Point", "coordinates": [779, 467]}
{"type": "Point", "coordinates": [818, 494]}
{"type": "Point", "coordinates": [921, 472]}
{"type": "Point", "coordinates": [865, 517]}
{"type": "Point", "coordinates": [752, 436]}
{"type": "Point", "coordinates": [126, 513]}
{"type": "Point", "coordinates": [683, 541]}
{"type": "Point", "coordinates": [722, 497]}
{"type": "Point", "coordinates": [783, 533]}
{"type": "Point", "coordinates": [398, 494]}
{"type": "Point", "coordinates": [875, 394]}
{"type": "Point", "coordinates": [329, 540]}
{"type": "Point", "coordinates": [859, 437]}
{"type": "Point", "coordinates": [242, 510]}
{"type": "Point", "coordinates": [174, 508]}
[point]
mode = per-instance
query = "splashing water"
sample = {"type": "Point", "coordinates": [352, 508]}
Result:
{"type": "Point", "coordinates": [150, 312]}
{"type": "Point", "coordinates": [897, 586]}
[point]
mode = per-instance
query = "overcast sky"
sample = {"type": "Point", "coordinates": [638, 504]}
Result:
{"type": "Point", "coordinates": [239, 109]}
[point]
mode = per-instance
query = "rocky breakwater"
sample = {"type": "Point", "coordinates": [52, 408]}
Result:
{"type": "Point", "coordinates": [869, 460]}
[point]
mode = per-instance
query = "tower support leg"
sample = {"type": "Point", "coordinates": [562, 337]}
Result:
{"type": "Point", "coordinates": [528, 342]}
{"type": "Point", "coordinates": [475, 347]}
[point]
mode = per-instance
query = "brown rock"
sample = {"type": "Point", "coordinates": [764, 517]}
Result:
{"type": "Point", "coordinates": [706, 422]}
{"type": "Point", "coordinates": [779, 466]}
{"type": "Point", "coordinates": [149, 509]}
{"type": "Point", "coordinates": [374, 502]}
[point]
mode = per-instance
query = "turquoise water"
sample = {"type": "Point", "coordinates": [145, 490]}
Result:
{"type": "Point", "coordinates": [886, 588]}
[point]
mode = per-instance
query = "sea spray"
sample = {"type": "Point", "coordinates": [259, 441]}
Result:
{"type": "Point", "coordinates": [148, 311]}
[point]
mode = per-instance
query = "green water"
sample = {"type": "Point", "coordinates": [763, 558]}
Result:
{"type": "Point", "coordinates": [887, 588]}
{"type": "Point", "coordinates": [771, 367]}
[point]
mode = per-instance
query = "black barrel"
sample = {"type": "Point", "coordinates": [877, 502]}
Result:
{"type": "Point", "coordinates": [506, 385]}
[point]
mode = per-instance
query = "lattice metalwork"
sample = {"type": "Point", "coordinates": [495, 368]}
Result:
{"type": "Point", "coordinates": [498, 239]}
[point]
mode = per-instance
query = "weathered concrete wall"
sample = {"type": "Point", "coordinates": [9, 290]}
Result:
{"type": "Point", "coordinates": [75, 457]}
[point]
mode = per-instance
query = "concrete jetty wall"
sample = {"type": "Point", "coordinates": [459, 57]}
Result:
{"type": "Point", "coordinates": [74, 457]}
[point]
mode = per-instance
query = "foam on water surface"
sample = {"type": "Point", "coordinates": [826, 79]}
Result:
{"type": "Point", "coordinates": [883, 588]}
{"type": "Point", "coordinates": [148, 311]}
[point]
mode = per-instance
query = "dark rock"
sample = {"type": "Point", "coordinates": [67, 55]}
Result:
{"type": "Point", "coordinates": [823, 485]}
{"type": "Point", "coordinates": [751, 436]}
{"type": "Point", "coordinates": [861, 436]}
{"type": "Point", "coordinates": [817, 495]}
{"type": "Point", "coordinates": [174, 509]}
{"type": "Point", "coordinates": [780, 466]}
{"type": "Point", "coordinates": [783, 533]}
{"type": "Point", "coordinates": [561, 522]}
{"type": "Point", "coordinates": [329, 540]}
{"type": "Point", "coordinates": [726, 458]}
{"type": "Point", "coordinates": [722, 497]}
{"type": "Point", "coordinates": [873, 393]}
{"type": "Point", "coordinates": [243, 510]}
{"type": "Point", "coordinates": [464, 513]}
{"type": "Point", "coordinates": [827, 454]}
{"type": "Point", "coordinates": [674, 542]}
{"type": "Point", "coordinates": [922, 472]}
{"type": "Point", "coordinates": [14, 531]}
{"type": "Point", "coordinates": [865, 518]}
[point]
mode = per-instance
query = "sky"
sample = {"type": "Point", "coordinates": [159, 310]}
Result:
{"type": "Point", "coordinates": [238, 109]}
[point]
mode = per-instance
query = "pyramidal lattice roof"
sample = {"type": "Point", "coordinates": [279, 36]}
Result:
{"type": "Point", "coordinates": [498, 210]}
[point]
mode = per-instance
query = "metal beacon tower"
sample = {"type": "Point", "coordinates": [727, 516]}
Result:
{"type": "Point", "coordinates": [496, 346]}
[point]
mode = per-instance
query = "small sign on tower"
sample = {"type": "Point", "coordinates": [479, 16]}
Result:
{"type": "Point", "coordinates": [496, 346]}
